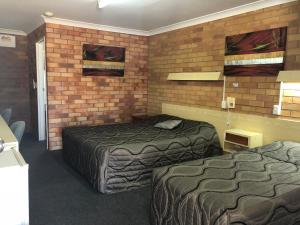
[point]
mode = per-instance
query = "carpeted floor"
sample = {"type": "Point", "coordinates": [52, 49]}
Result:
{"type": "Point", "coordinates": [59, 196]}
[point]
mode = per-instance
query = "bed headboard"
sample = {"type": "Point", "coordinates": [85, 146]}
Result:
{"type": "Point", "coordinates": [273, 129]}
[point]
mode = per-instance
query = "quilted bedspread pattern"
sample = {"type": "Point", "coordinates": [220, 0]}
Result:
{"type": "Point", "coordinates": [256, 187]}
{"type": "Point", "coordinates": [120, 157]}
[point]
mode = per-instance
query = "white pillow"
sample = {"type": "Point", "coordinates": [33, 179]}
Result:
{"type": "Point", "coordinates": [168, 124]}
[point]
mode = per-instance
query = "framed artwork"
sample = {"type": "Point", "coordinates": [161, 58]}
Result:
{"type": "Point", "coordinates": [260, 53]}
{"type": "Point", "coordinates": [99, 60]}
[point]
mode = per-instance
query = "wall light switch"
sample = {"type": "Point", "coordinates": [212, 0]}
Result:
{"type": "Point", "coordinates": [230, 102]}
{"type": "Point", "coordinates": [276, 110]}
{"type": "Point", "coordinates": [224, 104]}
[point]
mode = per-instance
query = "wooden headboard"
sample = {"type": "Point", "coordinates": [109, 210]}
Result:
{"type": "Point", "coordinates": [273, 129]}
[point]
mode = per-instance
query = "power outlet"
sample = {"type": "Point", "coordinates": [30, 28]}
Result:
{"type": "Point", "coordinates": [230, 102]}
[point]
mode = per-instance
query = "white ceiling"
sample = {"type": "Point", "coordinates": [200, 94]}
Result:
{"type": "Point", "coordinates": [142, 15]}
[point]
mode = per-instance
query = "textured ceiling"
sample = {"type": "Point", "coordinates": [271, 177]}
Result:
{"type": "Point", "coordinates": [144, 15]}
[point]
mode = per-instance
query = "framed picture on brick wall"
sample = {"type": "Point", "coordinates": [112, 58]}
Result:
{"type": "Point", "coordinates": [100, 60]}
{"type": "Point", "coordinates": [260, 53]}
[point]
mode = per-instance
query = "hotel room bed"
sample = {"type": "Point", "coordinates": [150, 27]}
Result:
{"type": "Point", "coordinates": [256, 187]}
{"type": "Point", "coordinates": [120, 157]}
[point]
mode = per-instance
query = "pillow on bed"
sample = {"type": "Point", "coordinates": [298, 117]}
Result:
{"type": "Point", "coordinates": [168, 124]}
{"type": "Point", "coordinates": [281, 150]}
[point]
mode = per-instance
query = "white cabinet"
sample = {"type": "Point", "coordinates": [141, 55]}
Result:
{"type": "Point", "coordinates": [14, 207]}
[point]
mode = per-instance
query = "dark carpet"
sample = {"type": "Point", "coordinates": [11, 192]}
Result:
{"type": "Point", "coordinates": [59, 196]}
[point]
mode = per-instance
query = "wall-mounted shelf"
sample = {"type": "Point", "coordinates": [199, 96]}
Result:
{"type": "Point", "coordinates": [289, 76]}
{"type": "Point", "coordinates": [194, 76]}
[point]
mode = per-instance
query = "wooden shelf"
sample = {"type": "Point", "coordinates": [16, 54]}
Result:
{"type": "Point", "coordinates": [194, 76]}
{"type": "Point", "coordinates": [289, 76]}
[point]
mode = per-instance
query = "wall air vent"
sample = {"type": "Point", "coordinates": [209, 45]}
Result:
{"type": "Point", "coordinates": [7, 41]}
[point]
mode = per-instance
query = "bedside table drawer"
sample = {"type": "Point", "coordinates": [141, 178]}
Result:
{"type": "Point", "coordinates": [236, 139]}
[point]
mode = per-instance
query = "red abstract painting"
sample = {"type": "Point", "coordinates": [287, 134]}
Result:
{"type": "Point", "coordinates": [258, 53]}
{"type": "Point", "coordinates": [99, 60]}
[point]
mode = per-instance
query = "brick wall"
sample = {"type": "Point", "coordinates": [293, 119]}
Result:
{"type": "Point", "coordinates": [76, 100]}
{"type": "Point", "coordinates": [14, 81]}
{"type": "Point", "coordinates": [34, 37]}
{"type": "Point", "coordinates": [201, 48]}
{"type": "Point", "coordinates": [291, 100]}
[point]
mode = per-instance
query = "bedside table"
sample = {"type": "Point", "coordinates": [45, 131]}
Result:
{"type": "Point", "coordinates": [237, 140]}
{"type": "Point", "coordinates": [139, 117]}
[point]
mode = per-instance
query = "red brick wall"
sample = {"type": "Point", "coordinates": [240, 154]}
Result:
{"type": "Point", "coordinates": [76, 100]}
{"type": "Point", "coordinates": [201, 48]}
{"type": "Point", "coordinates": [14, 81]}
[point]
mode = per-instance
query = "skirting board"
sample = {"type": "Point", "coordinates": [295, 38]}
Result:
{"type": "Point", "coordinates": [273, 129]}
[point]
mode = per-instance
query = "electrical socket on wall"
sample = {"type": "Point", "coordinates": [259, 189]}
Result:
{"type": "Point", "coordinates": [230, 102]}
